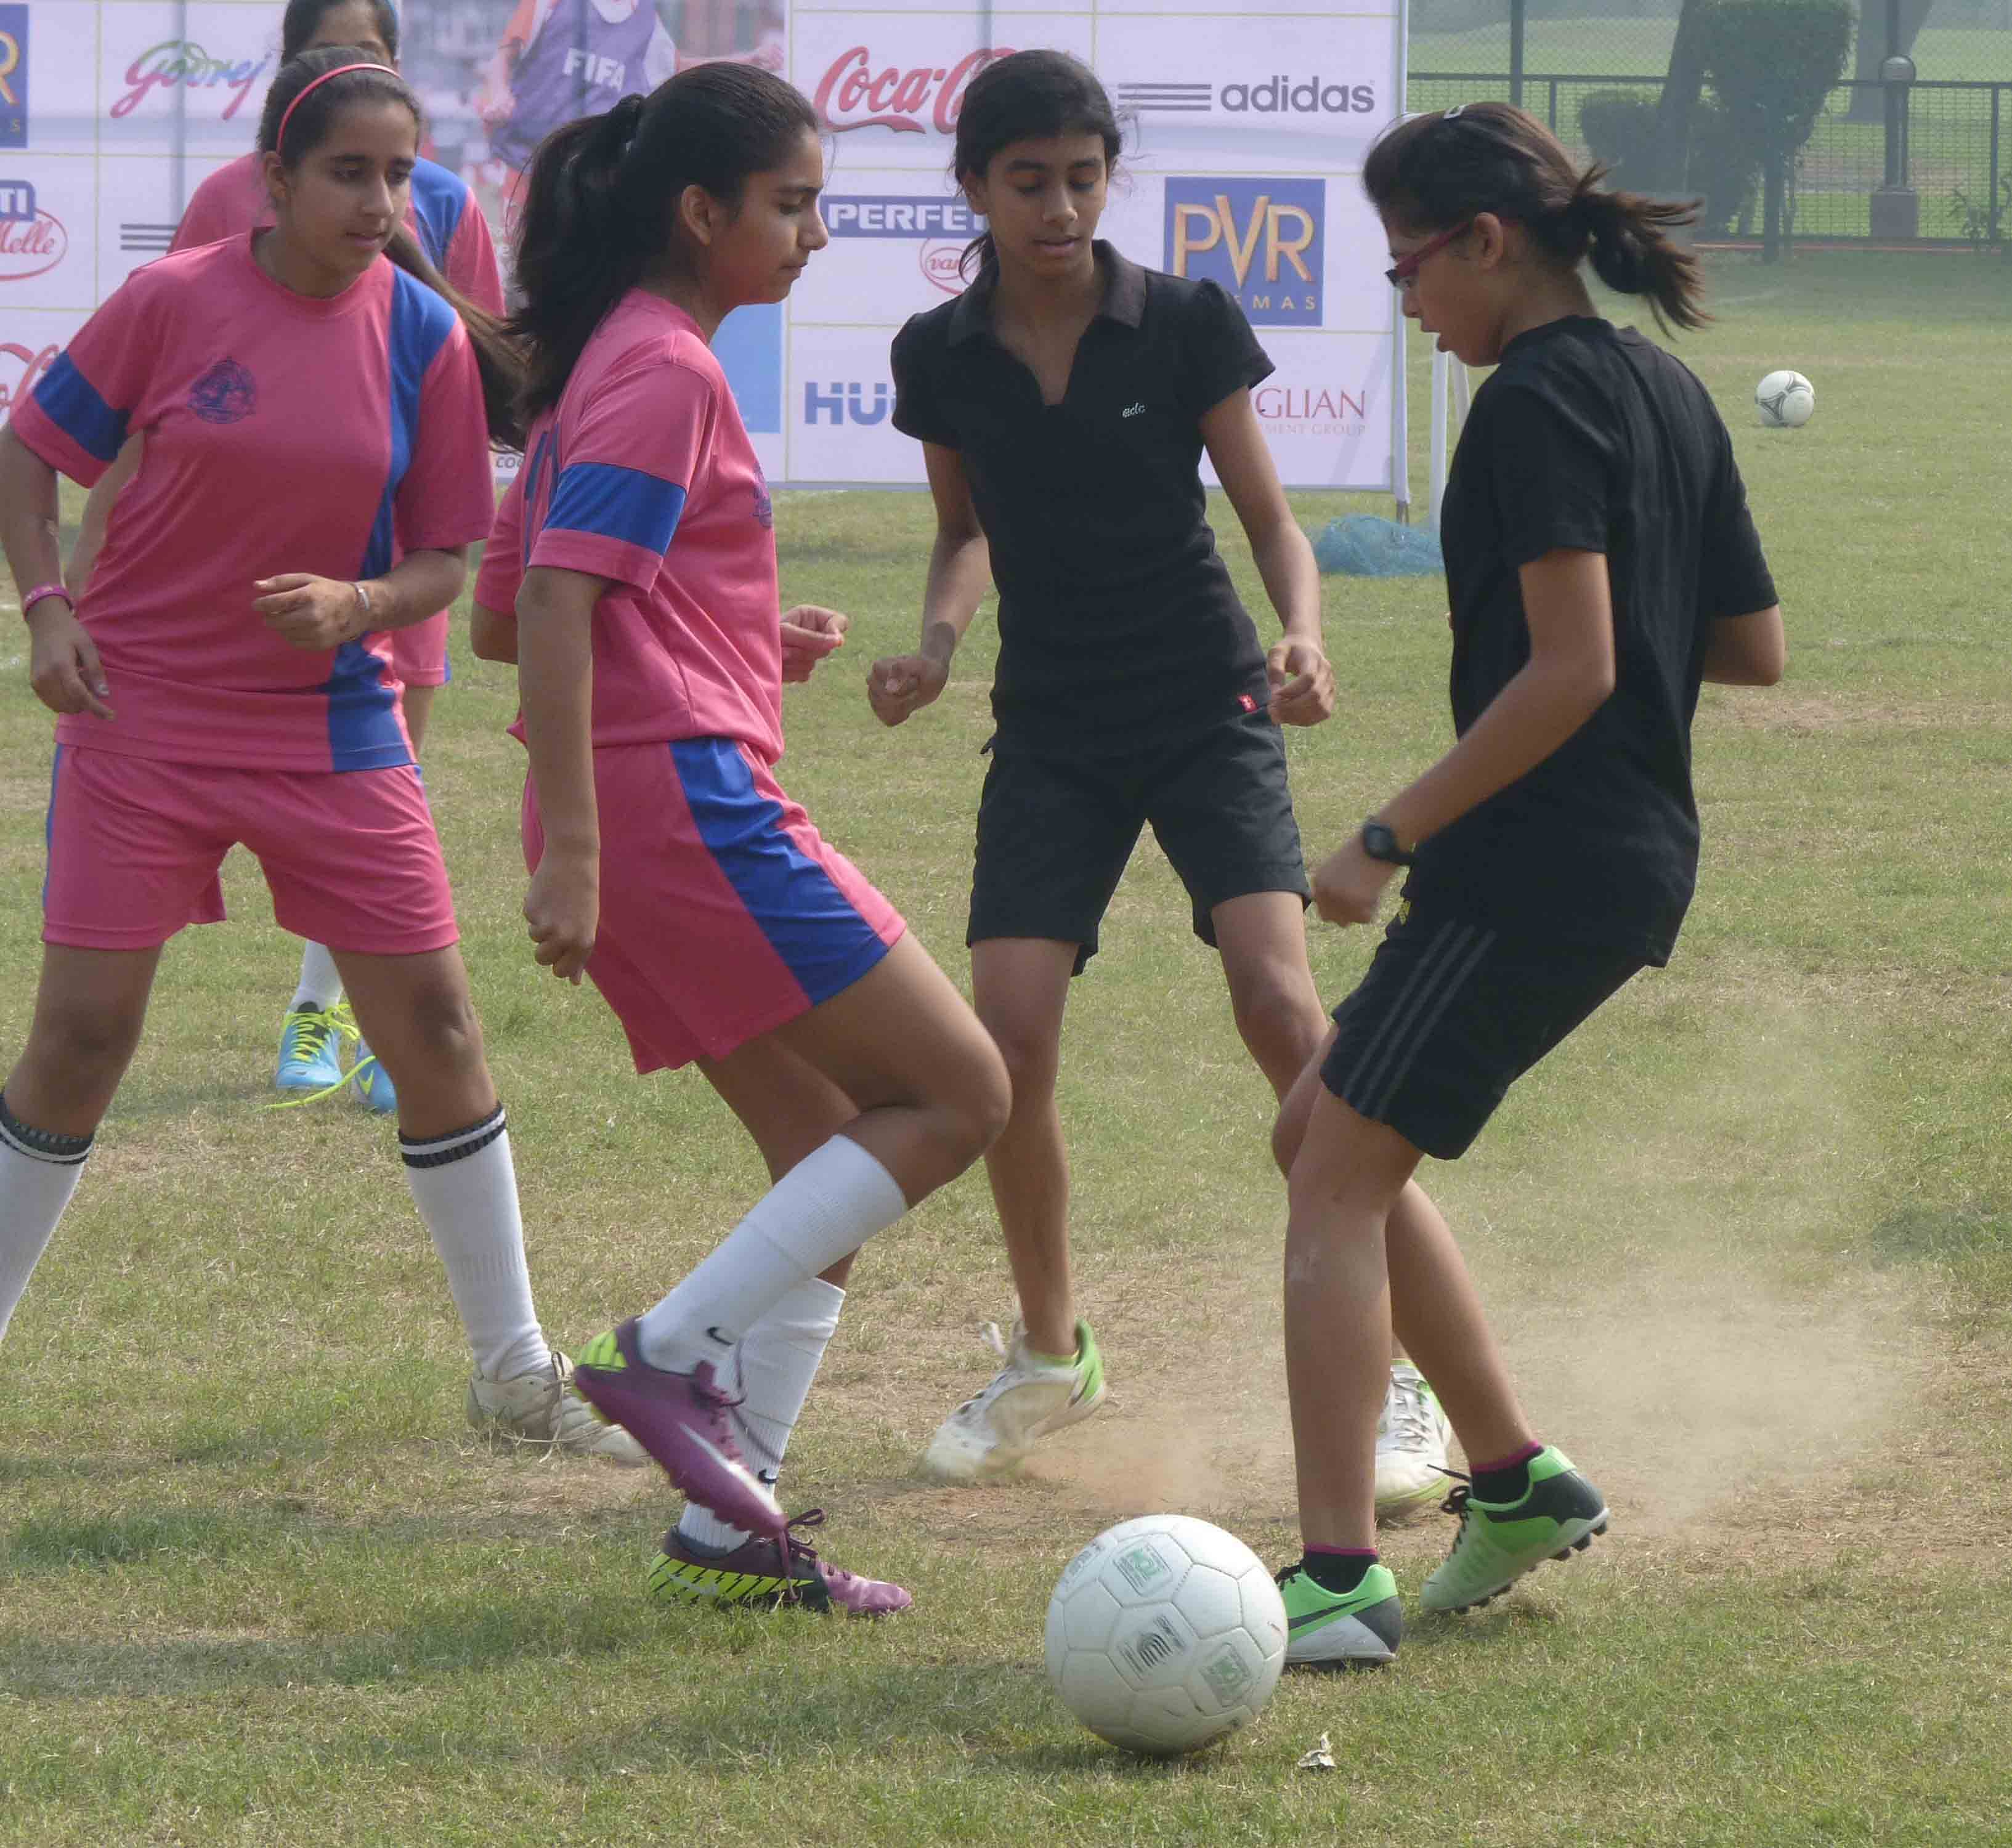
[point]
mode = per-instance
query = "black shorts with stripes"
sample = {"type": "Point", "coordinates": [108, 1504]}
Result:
{"type": "Point", "coordinates": [1451, 1013]}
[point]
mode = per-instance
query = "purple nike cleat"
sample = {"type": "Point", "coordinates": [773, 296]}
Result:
{"type": "Point", "coordinates": [755, 1573]}
{"type": "Point", "coordinates": [680, 1419]}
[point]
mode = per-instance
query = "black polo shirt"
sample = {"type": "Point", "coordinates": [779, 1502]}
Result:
{"type": "Point", "coordinates": [1588, 438]}
{"type": "Point", "coordinates": [1117, 623]}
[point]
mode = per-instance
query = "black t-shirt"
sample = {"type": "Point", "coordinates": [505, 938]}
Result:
{"type": "Point", "coordinates": [1118, 622]}
{"type": "Point", "coordinates": [1590, 438]}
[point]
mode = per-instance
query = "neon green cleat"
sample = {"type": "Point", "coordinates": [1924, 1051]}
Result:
{"type": "Point", "coordinates": [1498, 1542]}
{"type": "Point", "coordinates": [1327, 1629]}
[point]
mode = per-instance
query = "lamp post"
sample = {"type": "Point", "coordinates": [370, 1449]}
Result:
{"type": "Point", "coordinates": [1896, 207]}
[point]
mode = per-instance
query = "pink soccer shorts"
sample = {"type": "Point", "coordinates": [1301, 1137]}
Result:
{"type": "Point", "coordinates": [723, 914]}
{"type": "Point", "coordinates": [134, 844]}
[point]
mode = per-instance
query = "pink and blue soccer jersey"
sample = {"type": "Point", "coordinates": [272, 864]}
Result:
{"type": "Point", "coordinates": [283, 433]}
{"type": "Point", "coordinates": [723, 913]}
{"type": "Point", "coordinates": [443, 215]}
{"type": "Point", "coordinates": [644, 475]}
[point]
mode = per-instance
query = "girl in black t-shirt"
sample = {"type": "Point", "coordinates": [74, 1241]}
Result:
{"type": "Point", "coordinates": [1064, 401]}
{"type": "Point", "coordinates": [1601, 563]}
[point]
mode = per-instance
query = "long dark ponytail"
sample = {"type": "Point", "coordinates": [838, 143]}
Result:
{"type": "Point", "coordinates": [1435, 171]}
{"type": "Point", "coordinates": [496, 354]}
{"type": "Point", "coordinates": [601, 200]}
{"type": "Point", "coordinates": [1026, 96]}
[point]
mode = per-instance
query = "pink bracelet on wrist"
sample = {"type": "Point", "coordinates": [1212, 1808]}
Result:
{"type": "Point", "coordinates": [41, 590]}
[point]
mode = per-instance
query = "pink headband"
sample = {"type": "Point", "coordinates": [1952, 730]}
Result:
{"type": "Point", "coordinates": [306, 90]}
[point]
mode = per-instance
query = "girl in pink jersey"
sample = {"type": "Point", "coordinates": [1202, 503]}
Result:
{"type": "Point", "coordinates": [442, 215]}
{"type": "Point", "coordinates": [637, 554]}
{"type": "Point", "coordinates": [226, 678]}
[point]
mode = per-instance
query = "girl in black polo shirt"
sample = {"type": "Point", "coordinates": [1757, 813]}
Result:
{"type": "Point", "coordinates": [1064, 401]}
{"type": "Point", "coordinates": [1601, 563]}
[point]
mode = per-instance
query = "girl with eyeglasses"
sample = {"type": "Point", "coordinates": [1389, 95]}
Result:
{"type": "Point", "coordinates": [1601, 564]}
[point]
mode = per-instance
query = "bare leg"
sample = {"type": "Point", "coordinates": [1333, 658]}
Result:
{"type": "Point", "coordinates": [1262, 938]}
{"type": "Point", "coordinates": [89, 1011]}
{"type": "Point", "coordinates": [416, 1013]}
{"type": "Point", "coordinates": [1348, 1176]}
{"type": "Point", "coordinates": [1438, 1313]}
{"type": "Point", "coordinates": [1020, 987]}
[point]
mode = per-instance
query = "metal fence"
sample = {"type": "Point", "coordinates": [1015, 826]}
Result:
{"type": "Point", "coordinates": [1960, 163]}
{"type": "Point", "coordinates": [1557, 55]}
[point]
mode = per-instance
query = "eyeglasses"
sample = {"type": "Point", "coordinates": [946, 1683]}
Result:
{"type": "Point", "coordinates": [1402, 273]}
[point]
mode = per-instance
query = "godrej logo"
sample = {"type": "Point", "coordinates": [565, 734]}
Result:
{"type": "Point", "coordinates": [13, 76]}
{"type": "Point", "coordinates": [849, 403]}
{"type": "Point", "coordinates": [180, 63]}
{"type": "Point", "coordinates": [1262, 240]}
{"type": "Point", "coordinates": [32, 241]}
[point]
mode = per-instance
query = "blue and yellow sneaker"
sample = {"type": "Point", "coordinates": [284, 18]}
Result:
{"type": "Point", "coordinates": [1498, 1542]}
{"type": "Point", "coordinates": [373, 1084]}
{"type": "Point", "coordinates": [311, 1044]}
{"type": "Point", "coordinates": [1328, 1629]}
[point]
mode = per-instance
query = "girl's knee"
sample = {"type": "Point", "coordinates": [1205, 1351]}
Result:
{"type": "Point", "coordinates": [982, 1099]}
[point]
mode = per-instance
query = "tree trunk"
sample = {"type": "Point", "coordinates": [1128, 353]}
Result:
{"type": "Point", "coordinates": [1868, 105]}
{"type": "Point", "coordinates": [1681, 86]}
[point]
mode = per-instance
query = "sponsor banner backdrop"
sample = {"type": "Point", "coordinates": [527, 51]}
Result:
{"type": "Point", "coordinates": [1246, 132]}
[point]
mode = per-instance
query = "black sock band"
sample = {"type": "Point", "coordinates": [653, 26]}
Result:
{"type": "Point", "coordinates": [438, 1151]}
{"type": "Point", "coordinates": [41, 1145]}
{"type": "Point", "coordinates": [1340, 1573]}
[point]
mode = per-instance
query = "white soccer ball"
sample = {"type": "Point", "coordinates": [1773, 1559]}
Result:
{"type": "Point", "coordinates": [1165, 1633]}
{"type": "Point", "coordinates": [1785, 400]}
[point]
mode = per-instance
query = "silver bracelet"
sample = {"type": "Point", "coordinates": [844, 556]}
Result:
{"type": "Point", "coordinates": [363, 604]}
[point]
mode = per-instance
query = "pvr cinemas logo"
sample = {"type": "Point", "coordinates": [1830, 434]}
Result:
{"type": "Point", "coordinates": [13, 76]}
{"type": "Point", "coordinates": [1261, 239]}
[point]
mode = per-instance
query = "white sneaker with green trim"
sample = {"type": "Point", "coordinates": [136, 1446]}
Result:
{"type": "Point", "coordinates": [1411, 1440]}
{"type": "Point", "coordinates": [1029, 1399]}
{"type": "Point", "coordinates": [543, 1408]}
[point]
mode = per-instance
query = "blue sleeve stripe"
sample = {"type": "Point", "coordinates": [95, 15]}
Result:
{"type": "Point", "coordinates": [71, 402]}
{"type": "Point", "coordinates": [439, 198]}
{"type": "Point", "coordinates": [616, 503]}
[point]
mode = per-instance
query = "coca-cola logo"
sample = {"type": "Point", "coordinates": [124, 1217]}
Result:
{"type": "Point", "coordinates": [19, 368]}
{"type": "Point", "coordinates": [32, 241]}
{"type": "Point", "coordinates": [854, 95]}
{"type": "Point", "coordinates": [942, 263]}
{"type": "Point", "coordinates": [181, 63]}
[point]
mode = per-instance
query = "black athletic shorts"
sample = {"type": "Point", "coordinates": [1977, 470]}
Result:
{"type": "Point", "coordinates": [1450, 1014]}
{"type": "Point", "coordinates": [1054, 832]}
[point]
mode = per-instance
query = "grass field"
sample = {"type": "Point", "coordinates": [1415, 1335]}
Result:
{"type": "Point", "coordinates": [1747, 1236]}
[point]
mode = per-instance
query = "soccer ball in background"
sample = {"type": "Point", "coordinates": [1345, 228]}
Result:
{"type": "Point", "coordinates": [1165, 1633]}
{"type": "Point", "coordinates": [1785, 400]}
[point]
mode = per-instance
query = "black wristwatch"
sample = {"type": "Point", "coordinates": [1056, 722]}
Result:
{"type": "Point", "coordinates": [1379, 844]}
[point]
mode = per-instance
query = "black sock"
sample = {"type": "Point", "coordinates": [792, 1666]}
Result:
{"type": "Point", "coordinates": [1338, 1573]}
{"type": "Point", "coordinates": [1510, 1483]}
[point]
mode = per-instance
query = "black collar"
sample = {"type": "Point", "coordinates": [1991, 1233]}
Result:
{"type": "Point", "coordinates": [1124, 295]}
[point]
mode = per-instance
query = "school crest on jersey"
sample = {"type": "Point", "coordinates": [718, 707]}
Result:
{"type": "Point", "coordinates": [226, 394]}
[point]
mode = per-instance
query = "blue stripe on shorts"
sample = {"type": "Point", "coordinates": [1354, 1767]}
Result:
{"type": "Point", "coordinates": [808, 921]}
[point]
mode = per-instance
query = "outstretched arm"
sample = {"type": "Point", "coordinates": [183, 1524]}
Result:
{"type": "Point", "coordinates": [960, 570]}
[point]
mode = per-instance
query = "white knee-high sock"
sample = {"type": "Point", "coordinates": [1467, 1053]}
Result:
{"type": "Point", "coordinates": [465, 1189]}
{"type": "Point", "coordinates": [320, 985]}
{"type": "Point", "coordinates": [39, 1170]}
{"type": "Point", "coordinates": [773, 1370]}
{"type": "Point", "coordinates": [832, 1202]}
